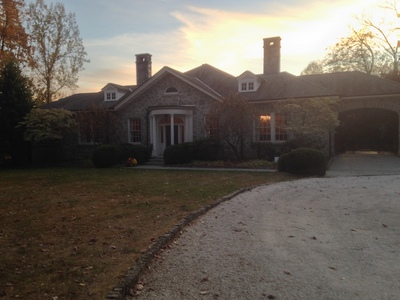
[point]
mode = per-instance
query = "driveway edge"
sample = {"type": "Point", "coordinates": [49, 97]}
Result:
{"type": "Point", "coordinates": [128, 282]}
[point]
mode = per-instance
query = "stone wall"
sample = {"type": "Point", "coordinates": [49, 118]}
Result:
{"type": "Point", "coordinates": [156, 96]}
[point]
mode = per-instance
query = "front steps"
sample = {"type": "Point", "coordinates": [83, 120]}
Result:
{"type": "Point", "coordinates": [156, 161]}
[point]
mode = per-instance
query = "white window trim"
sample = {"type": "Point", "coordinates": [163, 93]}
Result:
{"type": "Point", "coordinates": [129, 131]}
{"type": "Point", "coordinates": [256, 134]}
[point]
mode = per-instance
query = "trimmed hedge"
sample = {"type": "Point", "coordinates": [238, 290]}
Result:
{"type": "Point", "coordinates": [105, 156]}
{"type": "Point", "coordinates": [303, 161]}
{"type": "Point", "coordinates": [204, 150]}
{"type": "Point", "coordinates": [179, 154]}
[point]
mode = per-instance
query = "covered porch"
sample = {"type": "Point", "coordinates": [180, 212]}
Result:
{"type": "Point", "coordinates": [170, 126]}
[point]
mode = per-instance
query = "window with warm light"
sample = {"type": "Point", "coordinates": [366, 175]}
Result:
{"type": "Point", "coordinates": [264, 128]}
{"type": "Point", "coordinates": [271, 128]}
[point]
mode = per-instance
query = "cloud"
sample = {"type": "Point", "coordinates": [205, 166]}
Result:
{"type": "Point", "coordinates": [229, 40]}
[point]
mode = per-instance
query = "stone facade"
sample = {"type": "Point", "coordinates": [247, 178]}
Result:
{"type": "Point", "coordinates": [186, 97]}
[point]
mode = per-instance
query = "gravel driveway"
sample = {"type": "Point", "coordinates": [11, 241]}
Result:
{"type": "Point", "coordinates": [320, 238]}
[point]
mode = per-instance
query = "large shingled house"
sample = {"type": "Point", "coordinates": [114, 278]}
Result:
{"type": "Point", "coordinates": [170, 107]}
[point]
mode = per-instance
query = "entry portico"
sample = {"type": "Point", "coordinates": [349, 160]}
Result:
{"type": "Point", "coordinates": [170, 125]}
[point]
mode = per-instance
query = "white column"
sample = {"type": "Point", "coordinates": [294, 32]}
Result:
{"type": "Point", "coordinates": [272, 125]}
{"type": "Point", "coordinates": [172, 130]}
{"type": "Point", "coordinates": [153, 138]}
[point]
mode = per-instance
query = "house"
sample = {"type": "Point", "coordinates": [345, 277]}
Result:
{"type": "Point", "coordinates": [170, 107]}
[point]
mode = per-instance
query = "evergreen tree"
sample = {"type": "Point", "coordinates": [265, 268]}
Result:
{"type": "Point", "coordinates": [15, 103]}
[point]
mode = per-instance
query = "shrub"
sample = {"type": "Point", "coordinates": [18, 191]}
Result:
{"type": "Point", "coordinates": [139, 152]}
{"type": "Point", "coordinates": [303, 161]}
{"type": "Point", "coordinates": [266, 150]}
{"type": "Point", "coordinates": [179, 154]}
{"type": "Point", "coordinates": [105, 156]}
{"type": "Point", "coordinates": [206, 149]}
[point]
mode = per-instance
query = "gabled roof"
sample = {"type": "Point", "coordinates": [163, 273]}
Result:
{"type": "Point", "coordinates": [218, 84]}
{"type": "Point", "coordinates": [126, 88]}
{"type": "Point", "coordinates": [80, 101]}
{"type": "Point", "coordinates": [194, 81]}
{"type": "Point", "coordinates": [284, 85]}
{"type": "Point", "coordinates": [217, 80]}
{"type": "Point", "coordinates": [351, 84]}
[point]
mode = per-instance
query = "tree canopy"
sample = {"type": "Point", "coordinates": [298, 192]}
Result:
{"type": "Point", "coordinates": [309, 120]}
{"type": "Point", "coordinates": [230, 121]}
{"type": "Point", "coordinates": [15, 102]}
{"type": "Point", "coordinates": [58, 53]}
{"type": "Point", "coordinates": [371, 47]}
{"type": "Point", "coordinates": [13, 38]}
{"type": "Point", "coordinates": [48, 125]}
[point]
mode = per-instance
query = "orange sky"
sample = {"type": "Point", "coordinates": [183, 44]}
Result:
{"type": "Point", "coordinates": [185, 34]}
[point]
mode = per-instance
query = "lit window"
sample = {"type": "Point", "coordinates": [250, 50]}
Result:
{"type": "Point", "coordinates": [135, 131]}
{"type": "Point", "coordinates": [264, 128]}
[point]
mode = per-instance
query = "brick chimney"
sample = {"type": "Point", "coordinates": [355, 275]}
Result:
{"type": "Point", "coordinates": [272, 55]}
{"type": "Point", "coordinates": [143, 67]}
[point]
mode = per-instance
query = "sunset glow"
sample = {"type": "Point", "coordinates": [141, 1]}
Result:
{"type": "Point", "coordinates": [186, 34]}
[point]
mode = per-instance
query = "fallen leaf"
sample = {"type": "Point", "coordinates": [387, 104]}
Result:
{"type": "Point", "coordinates": [287, 272]}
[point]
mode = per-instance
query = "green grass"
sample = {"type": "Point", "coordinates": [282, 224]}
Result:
{"type": "Point", "coordinates": [70, 233]}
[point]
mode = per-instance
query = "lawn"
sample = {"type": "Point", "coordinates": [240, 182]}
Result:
{"type": "Point", "coordinates": [70, 233]}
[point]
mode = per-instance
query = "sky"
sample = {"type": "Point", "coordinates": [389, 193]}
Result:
{"type": "Point", "coordinates": [184, 34]}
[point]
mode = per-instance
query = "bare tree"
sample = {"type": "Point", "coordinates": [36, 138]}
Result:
{"type": "Point", "coordinates": [357, 52]}
{"type": "Point", "coordinates": [384, 28]}
{"type": "Point", "coordinates": [98, 125]}
{"type": "Point", "coordinates": [58, 53]}
{"type": "Point", "coordinates": [230, 121]}
{"type": "Point", "coordinates": [314, 67]}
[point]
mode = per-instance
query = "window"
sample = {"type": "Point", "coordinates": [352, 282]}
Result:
{"type": "Point", "coordinates": [280, 127]}
{"type": "Point", "coordinates": [111, 96]}
{"type": "Point", "coordinates": [247, 86]}
{"type": "Point", "coordinates": [135, 131]}
{"type": "Point", "coordinates": [271, 128]}
{"type": "Point", "coordinates": [213, 128]}
{"type": "Point", "coordinates": [85, 136]}
{"type": "Point", "coordinates": [264, 128]}
{"type": "Point", "coordinates": [171, 90]}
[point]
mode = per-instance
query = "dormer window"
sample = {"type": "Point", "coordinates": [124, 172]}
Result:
{"type": "Point", "coordinates": [247, 87]}
{"type": "Point", "coordinates": [248, 82]}
{"type": "Point", "coordinates": [111, 96]}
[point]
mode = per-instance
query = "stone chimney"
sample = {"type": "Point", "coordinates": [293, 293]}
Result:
{"type": "Point", "coordinates": [272, 55]}
{"type": "Point", "coordinates": [143, 67]}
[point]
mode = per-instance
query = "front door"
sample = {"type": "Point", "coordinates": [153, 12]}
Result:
{"type": "Point", "coordinates": [165, 136]}
{"type": "Point", "coordinates": [178, 134]}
